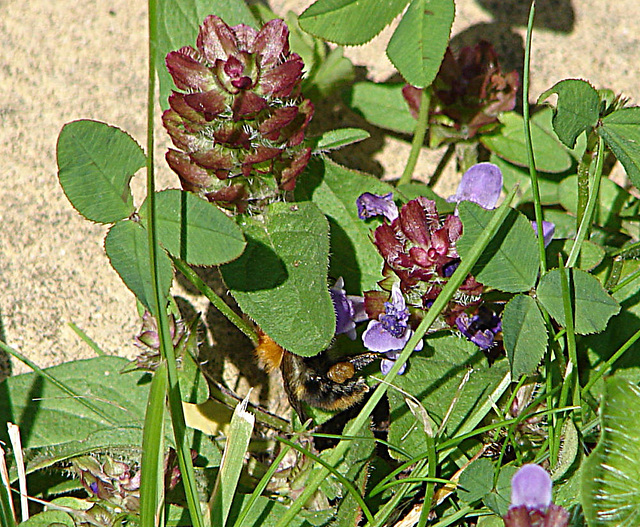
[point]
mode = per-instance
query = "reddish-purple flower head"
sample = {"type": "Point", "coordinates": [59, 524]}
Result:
{"type": "Point", "coordinates": [237, 111]}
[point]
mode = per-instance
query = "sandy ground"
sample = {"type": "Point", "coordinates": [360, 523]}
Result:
{"type": "Point", "coordinates": [65, 60]}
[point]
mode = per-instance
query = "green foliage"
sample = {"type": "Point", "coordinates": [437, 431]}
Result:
{"type": "Point", "coordinates": [349, 22]}
{"type": "Point", "coordinates": [593, 306]}
{"type": "Point", "coordinates": [525, 335]}
{"type": "Point", "coordinates": [382, 105]}
{"type": "Point", "coordinates": [621, 132]}
{"type": "Point", "coordinates": [285, 265]}
{"type": "Point", "coordinates": [433, 377]}
{"type": "Point", "coordinates": [508, 143]}
{"type": "Point", "coordinates": [612, 199]}
{"type": "Point", "coordinates": [500, 497]}
{"type": "Point", "coordinates": [127, 246]}
{"type": "Point", "coordinates": [49, 518]}
{"type": "Point", "coordinates": [476, 481]}
{"type": "Point", "coordinates": [502, 265]}
{"type": "Point", "coordinates": [340, 138]}
{"type": "Point", "coordinates": [95, 163]}
{"type": "Point", "coordinates": [591, 254]}
{"type": "Point", "coordinates": [195, 230]}
{"type": "Point", "coordinates": [610, 487]}
{"type": "Point", "coordinates": [49, 416]}
{"type": "Point", "coordinates": [334, 189]}
{"type": "Point", "coordinates": [577, 111]}
{"type": "Point", "coordinates": [417, 46]}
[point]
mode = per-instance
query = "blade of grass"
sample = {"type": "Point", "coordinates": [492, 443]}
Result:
{"type": "Point", "coordinates": [571, 372]}
{"type": "Point", "coordinates": [159, 303]}
{"type": "Point", "coordinates": [439, 304]}
{"type": "Point", "coordinates": [609, 363]}
{"type": "Point", "coordinates": [91, 343]}
{"type": "Point", "coordinates": [242, 423]}
{"type": "Point", "coordinates": [535, 187]}
{"type": "Point", "coordinates": [46, 375]}
{"type": "Point", "coordinates": [152, 471]}
{"type": "Point", "coordinates": [16, 445]}
{"type": "Point", "coordinates": [7, 512]}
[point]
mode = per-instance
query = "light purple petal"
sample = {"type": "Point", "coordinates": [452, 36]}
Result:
{"type": "Point", "coordinates": [531, 487]}
{"type": "Point", "coordinates": [548, 230]}
{"type": "Point", "coordinates": [376, 338]}
{"type": "Point", "coordinates": [344, 309]}
{"type": "Point", "coordinates": [482, 184]}
{"type": "Point", "coordinates": [387, 364]}
{"type": "Point", "coordinates": [370, 205]}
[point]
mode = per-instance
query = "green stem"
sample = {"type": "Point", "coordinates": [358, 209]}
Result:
{"type": "Point", "coordinates": [583, 178]}
{"type": "Point", "coordinates": [594, 194]}
{"type": "Point", "coordinates": [628, 251]}
{"type": "Point", "coordinates": [571, 373]}
{"type": "Point", "coordinates": [418, 138]}
{"type": "Point", "coordinates": [431, 315]}
{"type": "Point", "coordinates": [217, 302]}
{"type": "Point", "coordinates": [626, 281]}
{"type": "Point", "coordinates": [383, 514]}
{"type": "Point", "coordinates": [432, 460]}
{"type": "Point", "coordinates": [535, 187]}
{"type": "Point", "coordinates": [607, 365]}
{"type": "Point", "coordinates": [183, 449]}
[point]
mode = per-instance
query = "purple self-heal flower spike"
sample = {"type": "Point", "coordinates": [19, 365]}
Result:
{"type": "Point", "coordinates": [482, 184]}
{"type": "Point", "coordinates": [370, 205]}
{"type": "Point", "coordinates": [349, 309]}
{"type": "Point", "coordinates": [390, 332]}
{"type": "Point", "coordinates": [548, 230]}
{"type": "Point", "coordinates": [531, 487]}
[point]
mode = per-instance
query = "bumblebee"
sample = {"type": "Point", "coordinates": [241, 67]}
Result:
{"type": "Point", "coordinates": [317, 381]}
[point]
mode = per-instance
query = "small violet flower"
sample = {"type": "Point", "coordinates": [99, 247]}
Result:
{"type": "Point", "coordinates": [548, 230]}
{"type": "Point", "coordinates": [370, 205]}
{"type": "Point", "coordinates": [482, 184]}
{"type": "Point", "coordinates": [480, 328]}
{"type": "Point", "coordinates": [531, 500]}
{"type": "Point", "coordinates": [349, 309]}
{"type": "Point", "coordinates": [391, 331]}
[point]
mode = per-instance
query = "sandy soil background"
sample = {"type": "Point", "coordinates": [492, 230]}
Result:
{"type": "Point", "coordinates": [64, 60]}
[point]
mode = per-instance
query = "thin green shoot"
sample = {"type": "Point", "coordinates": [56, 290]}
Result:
{"type": "Point", "coordinates": [418, 137]}
{"type": "Point", "coordinates": [159, 302]}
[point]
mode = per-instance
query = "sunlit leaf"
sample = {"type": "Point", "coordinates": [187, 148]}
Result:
{"type": "Point", "coordinates": [577, 110]}
{"type": "Point", "coordinates": [525, 335]}
{"type": "Point", "coordinates": [195, 230]}
{"type": "Point", "coordinates": [127, 247]}
{"type": "Point", "coordinates": [621, 131]}
{"type": "Point", "coordinates": [593, 306]}
{"type": "Point", "coordinates": [349, 22]}
{"type": "Point", "coordinates": [418, 44]}
{"type": "Point", "coordinates": [96, 162]}
{"type": "Point", "coordinates": [280, 281]}
{"type": "Point", "coordinates": [510, 261]}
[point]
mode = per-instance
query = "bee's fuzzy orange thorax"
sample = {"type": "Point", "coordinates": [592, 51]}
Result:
{"type": "Point", "coordinates": [269, 353]}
